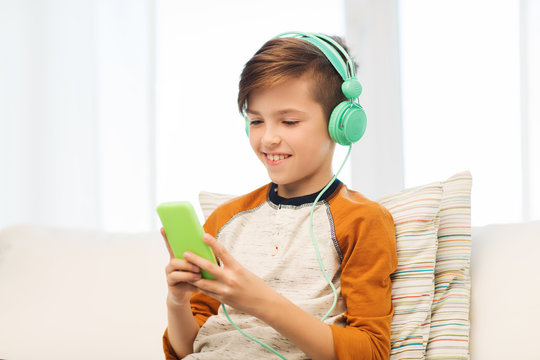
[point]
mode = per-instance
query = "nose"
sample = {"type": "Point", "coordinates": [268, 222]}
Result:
{"type": "Point", "coordinates": [270, 137]}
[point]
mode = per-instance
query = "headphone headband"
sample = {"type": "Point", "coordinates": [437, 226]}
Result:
{"type": "Point", "coordinates": [328, 46]}
{"type": "Point", "coordinates": [347, 122]}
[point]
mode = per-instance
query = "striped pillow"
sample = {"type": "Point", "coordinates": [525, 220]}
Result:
{"type": "Point", "coordinates": [415, 212]}
{"type": "Point", "coordinates": [449, 333]}
{"type": "Point", "coordinates": [425, 316]}
{"type": "Point", "coordinates": [416, 221]}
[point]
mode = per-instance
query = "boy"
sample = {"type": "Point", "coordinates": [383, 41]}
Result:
{"type": "Point", "coordinates": [269, 279]}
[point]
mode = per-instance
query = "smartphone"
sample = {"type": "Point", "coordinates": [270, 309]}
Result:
{"type": "Point", "coordinates": [184, 231]}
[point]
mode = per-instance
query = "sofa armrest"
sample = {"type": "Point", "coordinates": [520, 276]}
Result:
{"type": "Point", "coordinates": [505, 290]}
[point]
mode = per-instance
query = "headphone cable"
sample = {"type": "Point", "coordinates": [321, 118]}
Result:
{"type": "Point", "coordinates": [319, 259]}
{"type": "Point", "coordinates": [313, 235]}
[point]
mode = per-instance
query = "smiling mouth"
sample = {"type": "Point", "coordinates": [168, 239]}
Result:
{"type": "Point", "coordinates": [276, 157]}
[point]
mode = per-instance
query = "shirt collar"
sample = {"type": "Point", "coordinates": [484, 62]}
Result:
{"type": "Point", "coordinates": [301, 200]}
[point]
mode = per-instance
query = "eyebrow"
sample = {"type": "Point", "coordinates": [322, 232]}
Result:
{"type": "Point", "coordinates": [279, 112]}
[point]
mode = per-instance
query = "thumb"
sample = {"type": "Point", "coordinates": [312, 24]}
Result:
{"type": "Point", "coordinates": [219, 250]}
{"type": "Point", "coordinates": [167, 243]}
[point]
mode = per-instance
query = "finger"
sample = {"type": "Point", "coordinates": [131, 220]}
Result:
{"type": "Point", "coordinates": [167, 243]}
{"type": "Point", "coordinates": [202, 263]}
{"type": "Point", "coordinates": [219, 250]}
{"type": "Point", "coordinates": [180, 271]}
{"type": "Point", "coordinates": [182, 279]}
{"type": "Point", "coordinates": [209, 287]}
{"type": "Point", "coordinates": [181, 265]}
{"type": "Point", "coordinates": [178, 277]}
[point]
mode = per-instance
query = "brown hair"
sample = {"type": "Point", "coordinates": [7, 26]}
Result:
{"type": "Point", "coordinates": [281, 59]}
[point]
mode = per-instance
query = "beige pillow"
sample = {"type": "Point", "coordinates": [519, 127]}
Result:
{"type": "Point", "coordinates": [209, 201]}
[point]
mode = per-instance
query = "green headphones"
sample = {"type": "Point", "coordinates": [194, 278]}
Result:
{"type": "Point", "coordinates": [348, 120]}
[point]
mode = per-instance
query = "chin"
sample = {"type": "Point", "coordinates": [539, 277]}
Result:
{"type": "Point", "coordinates": [277, 180]}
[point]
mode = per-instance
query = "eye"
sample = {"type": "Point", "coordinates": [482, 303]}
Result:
{"type": "Point", "coordinates": [255, 122]}
{"type": "Point", "coordinates": [290, 122]}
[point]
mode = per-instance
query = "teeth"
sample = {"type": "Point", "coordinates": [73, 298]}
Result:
{"type": "Point", "coordinates": [276, 157]}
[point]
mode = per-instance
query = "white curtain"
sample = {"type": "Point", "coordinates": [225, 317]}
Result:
{"type": "Point", "coordinates": [95, 104]}
{"type": "Point", "coordinates": [451, 86]}
{"type": "Point", "coordinates": [76, 102]}
{"type": "Point", "coordinates": [110, 107]}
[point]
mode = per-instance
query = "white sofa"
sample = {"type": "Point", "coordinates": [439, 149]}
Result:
{"type": "Point", "coordinates": [78, 294]}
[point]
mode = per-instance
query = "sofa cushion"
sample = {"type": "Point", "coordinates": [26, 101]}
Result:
{"type": "Point", "coordinates": [75, 294]}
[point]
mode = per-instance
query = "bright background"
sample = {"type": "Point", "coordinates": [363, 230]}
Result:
{"type": "Point", "coordinates": [109, 107]}
{"type": "Point", "coordinates": [200, 136]}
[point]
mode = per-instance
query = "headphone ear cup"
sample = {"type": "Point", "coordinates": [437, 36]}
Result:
{"type": "Point", "coordinates": [351, 88]}
{"type": "Point", "coordinates": [347, 123]}
{"type": "Point", "coordinates": [246, 125]}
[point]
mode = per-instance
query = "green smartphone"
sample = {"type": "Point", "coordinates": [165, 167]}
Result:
{"type": "Point", "coordinates": [184, 231]}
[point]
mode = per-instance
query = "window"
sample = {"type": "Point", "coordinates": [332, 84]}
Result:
{"type": "Point", "coordinates": [460, 68]}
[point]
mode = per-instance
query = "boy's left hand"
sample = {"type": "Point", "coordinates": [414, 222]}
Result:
{"type": "Point", "coordinates": [234, 285]}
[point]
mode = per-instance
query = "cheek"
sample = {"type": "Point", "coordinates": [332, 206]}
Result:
{"type": "Point", "coordinates": [319, 141]}
{"type": "Point", "coordinates": [316, 149]}
{"type": "Point", "coordinates": [254, 141]}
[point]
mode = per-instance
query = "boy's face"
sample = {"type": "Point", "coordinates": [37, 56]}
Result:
{"type": "Point", "coordinates": [289, 134]}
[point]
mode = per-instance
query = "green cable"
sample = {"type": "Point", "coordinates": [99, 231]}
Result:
{"type": "Point", "coordinates": [319, 259]}
{"type": "Point", "coordinates": [249, 336]}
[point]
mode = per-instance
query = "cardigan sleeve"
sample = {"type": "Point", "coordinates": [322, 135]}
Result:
{"type": "Point", "coordinates": [202, 307]}
{"type": "Point", "coordinates": [367, 241]}
{"type": "Point", "coordinates": [167, 347]}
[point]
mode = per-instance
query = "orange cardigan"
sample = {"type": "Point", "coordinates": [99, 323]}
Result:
{"type": "Point", "coordinates": [364, 241]}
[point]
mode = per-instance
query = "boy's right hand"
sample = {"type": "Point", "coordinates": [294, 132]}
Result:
{"type": "Point", "coordinates": [180, 274]}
